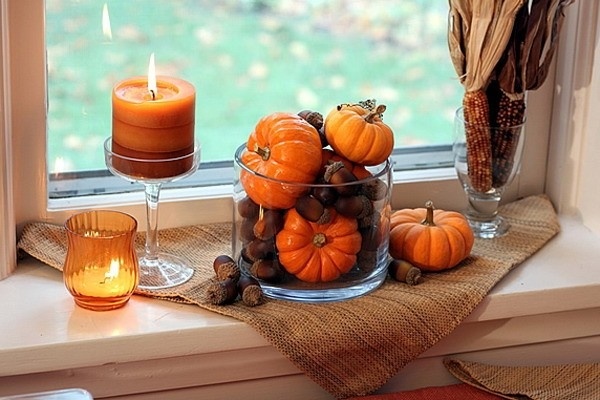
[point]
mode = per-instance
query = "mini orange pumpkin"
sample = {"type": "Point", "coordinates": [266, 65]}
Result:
{"type": "Point", "coordinates": [432, 240]}
{"type": "Point", "coordinates": [285, 147]}
{"type": "Point", "coordinates": [318, 252]}
{"type": "Point", "coordinates": [359, 134]}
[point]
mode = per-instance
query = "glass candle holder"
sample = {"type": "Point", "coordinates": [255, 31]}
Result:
{"type": "Point", "coordinates": [324, 242]}
{"type": "Point", "coordinates": [101, 266]}
{"type": "Point", "coordinates": [158, 270]}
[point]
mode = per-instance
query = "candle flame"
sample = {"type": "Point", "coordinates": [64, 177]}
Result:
{"type": "Point", "coordinates": [106, 23]}
{"type": "Point", "coordinates": [152, 77]}
{"type": "Point", "coordinates": [113, 270]}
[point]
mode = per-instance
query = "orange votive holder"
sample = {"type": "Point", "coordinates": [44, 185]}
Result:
{"type": "Point", "coordinates": [101, 266]}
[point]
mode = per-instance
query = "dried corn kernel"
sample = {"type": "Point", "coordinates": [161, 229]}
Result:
{"type": "Point", "coordinates": [505, 139]}
{"type": "Point", "coordinates": [479, 153]}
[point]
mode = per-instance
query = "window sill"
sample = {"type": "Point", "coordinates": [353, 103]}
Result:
{"type": "Point", "coordinates": [550, 300]}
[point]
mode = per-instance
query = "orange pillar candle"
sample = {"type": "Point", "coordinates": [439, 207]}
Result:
{"type": "Point", "coordinates": [153, 124]}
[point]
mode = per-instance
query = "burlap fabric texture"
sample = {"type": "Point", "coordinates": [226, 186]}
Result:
{"type": "Point", "coordinates": [349, 348]}
{"type": "Point", "coordinates": [549, 382]}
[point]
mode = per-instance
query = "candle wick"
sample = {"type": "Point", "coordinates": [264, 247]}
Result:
{"type": "Point", "coordinates": [153, 94]}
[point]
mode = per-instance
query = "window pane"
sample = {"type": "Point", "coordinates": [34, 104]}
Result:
{"type": "Point", "coordinates": [247, 59]}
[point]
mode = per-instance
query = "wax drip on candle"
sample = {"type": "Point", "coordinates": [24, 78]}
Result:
{"type": "Point", "coordinates": [152, 88]}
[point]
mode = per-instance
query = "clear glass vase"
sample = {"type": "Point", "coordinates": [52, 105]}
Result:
{"type": "Point", "coordinates": [486, 175]}
{"type": "Point", "coordinates": [277, 223]}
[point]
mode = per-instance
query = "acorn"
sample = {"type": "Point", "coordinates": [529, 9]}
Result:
{"type": "Point", "coordinates": [374, 218]}
{"type": "Point", "coordinates": [354, 206]}
{"type": "Point", "coordinates": [250, 291]}
{"type": "Point", "coordinates": [403, 271]}
{"type": "Point", "coordinates": [245, 257]}
{"type": "Point", "coordinates": [314, 118]}
{"type": "Point", "coordinates": [268, 270]}
{"type": "Point", "coordinates": [247, 230]}
{"type": "Point", "coordinates": [268, 224]}
{"type": "Point", "coordinates": [337, 174]}
{"type": "Point", "coordinates": [366, 260]}
{"type": "Point", "coordinates": [327, 195]}
{"type": "Point", "coordinates": [222, 292]}
{"type": "Point", "coordinates": [247, 208]}
{"type": "Point", "coordinates": [259, 249]}
{"type": "Point", "coordinates": [226, 268]}
{"type": "Point", "coordinates": [372, 236]}
{"type": "Point", "coordinates": [374, 189]}
{"type": "Point", "coordinates": [312, 209]}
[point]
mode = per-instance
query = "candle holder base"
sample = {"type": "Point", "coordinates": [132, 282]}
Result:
{"type": "Point", "coordinates": [163, 272]}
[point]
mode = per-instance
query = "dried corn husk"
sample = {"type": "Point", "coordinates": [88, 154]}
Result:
{"type": "Point", "coordinates": [512, 41]}
{"type": "Point", "coordinates": [478, 36]}
{"type": "Point", "coordinates": [458, 35]}
{"type": "Point", "coordinates": [532, 46]}
{"type": "Point", "coordinates": [538, 66]}
{"type": "Point", "coordinates": [485, 28]}
{"type": "Point", "coordinates": [500, 48]}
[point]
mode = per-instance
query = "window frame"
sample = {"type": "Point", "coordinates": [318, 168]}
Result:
{"type": "Point", "coordinates": [573, 162]}
{"type": "Point", "coordinates": [7, 217]}
{"type": "Point", "coordinates": [27, 105]}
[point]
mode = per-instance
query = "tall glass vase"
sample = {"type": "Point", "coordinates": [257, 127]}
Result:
{"type": "Point", "coordinates": [485, 174]}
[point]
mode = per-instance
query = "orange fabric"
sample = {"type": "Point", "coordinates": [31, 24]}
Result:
{"type": "Point", "coordinates": [460, 391]}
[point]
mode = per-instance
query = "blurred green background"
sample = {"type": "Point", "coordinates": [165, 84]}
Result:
{"type": "Point", "coordinates": [248, 58]}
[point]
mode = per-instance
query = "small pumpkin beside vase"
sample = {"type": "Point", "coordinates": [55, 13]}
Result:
{"type": "Point", "coordinates": [430, 239]}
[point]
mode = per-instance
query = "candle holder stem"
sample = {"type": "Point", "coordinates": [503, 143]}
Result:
{"type": "Point", "coordinates": [157, 269]}
{"type": "Point", "coordinates": [152, 195]}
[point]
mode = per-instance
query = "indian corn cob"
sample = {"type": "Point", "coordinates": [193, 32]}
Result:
{"type": "Point", "coordinates": [505, 137]}
{"type": "Point", "coordinates": [476, 112]}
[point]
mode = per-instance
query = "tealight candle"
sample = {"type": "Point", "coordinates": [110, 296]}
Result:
{"type": "Point", "coordinates": [153, 119]}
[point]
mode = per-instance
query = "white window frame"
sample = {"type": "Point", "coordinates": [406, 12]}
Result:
{"type": "Point", "coordinates": [7, 217]}
{"type": "Point", "coordinates": [573, 162]}
{"type": "Point", "coordinates": [23, 183]}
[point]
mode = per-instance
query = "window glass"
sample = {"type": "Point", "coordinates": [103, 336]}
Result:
{"type": "Point", "coordinates": [246, 59]}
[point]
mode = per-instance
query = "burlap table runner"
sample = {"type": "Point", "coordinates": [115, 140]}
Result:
{"type": "Point", "coordinates": [353, 347]}
{"type": "Point", "coordinates": [548, 382]}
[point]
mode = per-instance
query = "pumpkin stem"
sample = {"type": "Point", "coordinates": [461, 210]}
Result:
{"type": "Point", "coordinates": [368, 104]}
{"type": "Point", "coordinates": [263, 152]}
{"type": "Point", "coordinates": [375, 113]}
{"type": "Point", "coordinates": [319, 239]}
{"type": "Point", "coordinates": [428, 221]}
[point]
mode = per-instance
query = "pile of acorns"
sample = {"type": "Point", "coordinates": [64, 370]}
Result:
{"type": "Point", "coordinates": [229, 284]}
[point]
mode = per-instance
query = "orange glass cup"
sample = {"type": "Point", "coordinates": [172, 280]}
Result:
{"type": "Point", "coordinates": [101, 267]}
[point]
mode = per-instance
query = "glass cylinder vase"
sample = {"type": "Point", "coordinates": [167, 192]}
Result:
{"type": "Point", "coordinates": [326, 242]}
{"type": "Point", "coordinates": [486, 159]}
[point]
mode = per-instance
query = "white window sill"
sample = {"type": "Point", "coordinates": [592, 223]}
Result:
{"type": "Point", "coordinates": [550, 300]}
